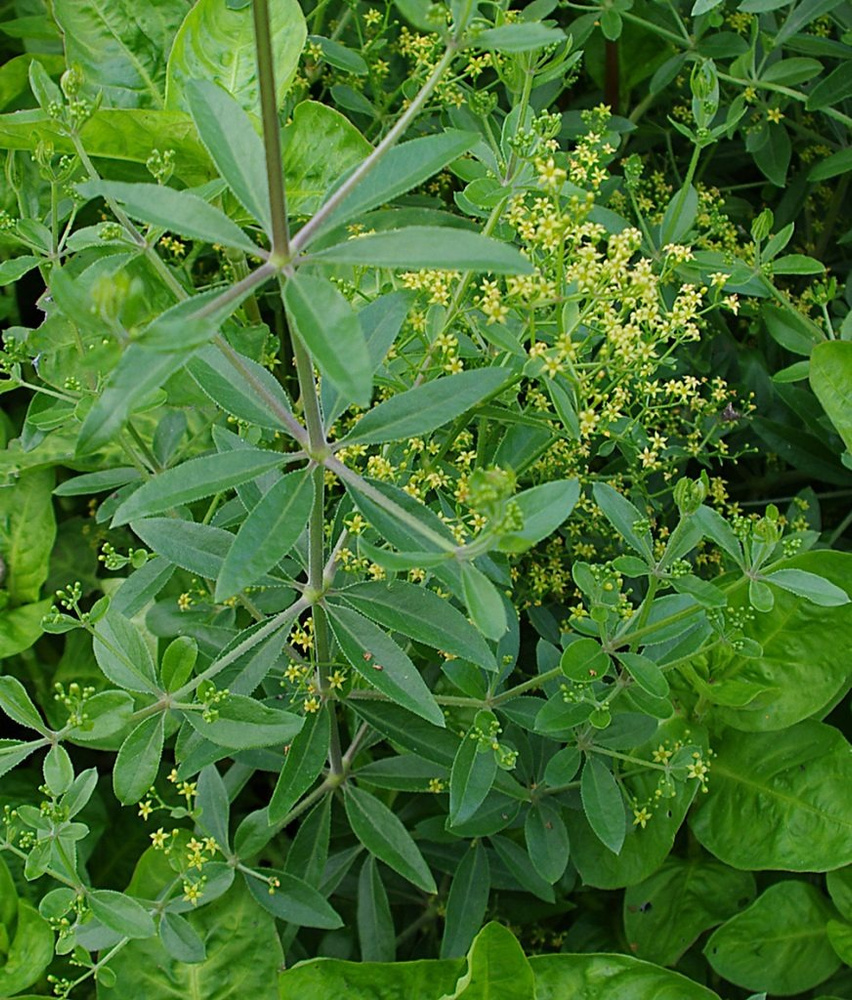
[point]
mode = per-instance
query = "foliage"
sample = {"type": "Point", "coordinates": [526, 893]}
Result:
{"type": "Point", "coordinates": [423, 509]}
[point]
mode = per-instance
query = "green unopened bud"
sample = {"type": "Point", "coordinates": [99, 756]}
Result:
{"type": "Point", "coordinates": [71, 81]}
{"type": "Point", "coordinates": [689, 494]}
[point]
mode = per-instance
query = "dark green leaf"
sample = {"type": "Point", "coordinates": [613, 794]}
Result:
{"type": "Point", "coordinates": [603, 804]}
{"type": "Point", "coordinates": [517, 860]}
{"type": "Point", "coordinates": [547, 841]}
{"type": "Point", "coordinates": [215, 805]}
{"type": "Point", "coordinates": [305, 758]}
{"type": "Point", "coordinates": [376, 933]}
{"type": "Point", "coordinates": [293, 900]}
{"type": "Point", "coordinates": [180, 939]}
{"type": "Point", "coordinates": [467, 902]}
{"type": "Point", "coordinates": [138, 760]}
{"type": "Point", "coordinates": [645, 672]}
{"type": "Point", "coordinates": [471, 778]}
{"type": "Point", "coordinates": [382, 833]}
{"type": "Point", "coordinates": [244, 723]}
{"type": "Point", "coordinates": [624, 517]}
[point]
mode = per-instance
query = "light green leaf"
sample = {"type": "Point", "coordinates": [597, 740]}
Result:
{"type": "Point", "coordinates": [14, 752]}
{"type": "Point", "coordinates": [483, 602]}
{"type": "Point", "coordinates": [242, 387]}
{"type": "Point", "coordinates": [496, 967]}
{"type": "Point", "coordinates": [471, 779]}
{"type": "Point", "coordinates": [18, 705]}
{"type": "Point", "coordinates": [777, 800]}
{"type": "Point", "coordinates": [831, 381]}
{"type": "Point", "coordinates": [121, 46]}
{"type": "Point", "coordinates": [610, 977]}
{"type": "Point", "coordinates": [328, 326]}
{"type": "Point", "coordinates": [294, 901]}
{"type": "Point", "coordinates": [543, 509]}
{"type": "Point", "coordinates": [839, 885]}
{"type": "Point", "coordinates": [27, 533]}
{"type": "Point", "coordinates": [234, 146]}
{"type": "Point", "coordinates": [426, 407]}
{"type": "Point", "coordinates": [30, 951]}
{"type": "Point", "coordinates": [603, 804]}
{"type": "Point", "coordinates": [177, 211]}
{"type": "Point", "coordinates": [121, 913]}
{"type": "Point", "coordinates": [798, 672]}
{"type": "Point", "coordinates": [427, 246]}
{"type": "Point", "coordinates": [376, 933]}
{"type": "Point", "coordinates": [16, 267]}
{"type": "Point", "coordinates": [216, 43]}
{"type": "Point", "coordinates": [322, 978]}
{"type": "Point", "coordinates": [421, 615]}
{"type": "Point", "coordinates": [197, 548]}
{"type": "Point", "coordinates": [401, 169]}
{"type": "Point", "coordinates": [382, 833]}
{"type": "Point", "coordinates": [123, 655]}
{"type": "Point", "coordinates": [20, 627]}
{"type": "Point", "coordinates": [194, 480]}
{"type": "Point", "coordinates": [519, 37]}
{"type": "Point", "coordinates": [467, 902]}
{"type": "Point", "coordinates": [814, 588]}
{"type": "Point", "coordinates": [58, 770]}
{"type": "Point", "coordinates": [243, 957]}
{"type": "Point", "coordinates": [665, 914]}
{"type": "Point", "coordinates": [319, 145]}
{"type": "Point", "coordinates": [624, 517]}
{"type": "Point", "coordinates": [302, 765]}
{"type": "Point", "coordinates": [680, 216]}
{"type": "Point", "coordinates": [178, 662]}
{"type": "Point", "coordinates": [380, 661]}
{"type": "Point", "coordinates": [779, 944]}
{"type": "Point", "coordinates": [138, 760]}
{"type": "Point", "coordinates": [267, 534]}
{"type": "Point", "coordinates": [244, 723]}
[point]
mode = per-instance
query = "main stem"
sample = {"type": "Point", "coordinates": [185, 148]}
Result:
{"type": "Point", "coordinates": [271, 132]}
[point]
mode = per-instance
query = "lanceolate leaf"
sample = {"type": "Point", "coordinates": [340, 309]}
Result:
{"type": "Point", "coordinates": [267, 534]}
{"type": "Point", "coordinates": [139, 760]}
{"type": "Point", "coordinates": [428, 246]}
{"type": "Point", "coordinates": [194, 480]}
{"type": "Point", "coordinates": [305, 758]}
{"type": "Point", "coordinates": [233, 144]}
{"type": "Point", "coordinates": [375, 923]}
{"type": "Point", "coordinates": [382, 833]}
{"type": "Point", "coordinates": [178, 211]}
{"type": "Point", "coordinates": [328, 326]}
{"type": "Point", "coordinates": [467, 902]}
{"type": "Point", "coordinates": [603, 804]}
{"type": "Point", "coordinates": [293, 900]}
{"type": "Point", "coordinates": [422, 615]}
{"type": "Point", "coordinates": [197, 548]}
{"type": "Point", "coordinates": [243, 723]}
{"type": "Point", "coordinates": [483, 602]}
{"type": "Point", "coordinates": [471, 779]}
{"type": "Point", "coordinates": [426, 407]}
{"type": "Point", "coordinates": [380, 661]}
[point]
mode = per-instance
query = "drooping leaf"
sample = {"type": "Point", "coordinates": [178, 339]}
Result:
{"type": "Point", "coordinates": [305, 758]}
{"type": "Point", "coordinates": [383, 834]}
{"type": "Point", "coordinates": [603, 804]}
{"type": "Point", "coordinates": [328, 326]}
{"type": "Point", "coordinates": [376, 933]}
{"type": "Point", "coordinates": [471, 779]}
{"type": "Point", "coordinates": [610, 977]}
{"type": "Point", "coordinates": [466, 903]}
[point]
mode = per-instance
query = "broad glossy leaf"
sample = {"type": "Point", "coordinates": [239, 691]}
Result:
{"type": "Point", "coordinates": [382, 663]}
{"type": "Point", "coordinates": [402, 168]}
{"type": "Point", "coordinates": [328, 326]}
{"type": "Point", "coordinates": [779, 944]}
{"type": "Point", "coordinates": [471, 779]}
{"type": "Point", "coordinates": [467, 902]}
{"type": "Point", "coordinates": [28, 954]}
{"type": "Point", "coordinates": [121, 46]}
{"type": "Point", "coordinates": [240, 386]}
{"type": "Point", "coordinates": [426, 407]}
{"type": "Point", "coordinates": [267, 534]}
{"type": "Point", "coordinates": [610, 977]}
{"type": "Point", "coordinates": [216, 43]}
{"type": "Point", "coordinates": [244, 723]}
{"type": "Point", "coordinates": [376, 934]}
{"type": "Point", "coordinates": [839, 885]}
{"type": "Point", "coordinates": [322, 978]}
{"type": "Point", "coordinates": [305, 758]}
{"type": "Point", "coordinates": [798, 673]}
{"type": "Point", "coordinates": [427, 246]}
{"type": "Point", "coordinates": [233, 144]}
{"type": "Point", "coordinates": [243, 957]}
{"type": "Point", "coordinates": [665, 914]}
{"type": "Point", "coordinates": [121, 913]}
{"type": "Point", "coordinates": [831, 380]}
{"type": "Point", "coordinates": [177, 211]}
{"type": "Point", "coordinates": [294, 901]}
{"type": "Point", "coordinates": [26, 512]}
{"type": "Point", "coordinates": [319, 145]}
{"type": "Point", "coordinates": [421, 615]}
{"type": "Point", "coordinates": [603, 804]}
{"type": "Point", "coordinates": [123, 654]}
{"type": "Point", "coordinates": [776, 800]}
{"type": "Point", "coordinates": [496, 967]}
{"type": "Point", "coordinates": [194, 480]}
{"type": "Point", "coordinates": [382, 833]}
{"type": "Point", "coordinates": [138, 760]}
